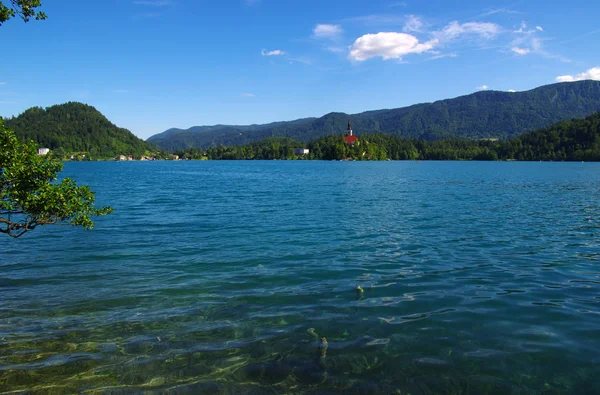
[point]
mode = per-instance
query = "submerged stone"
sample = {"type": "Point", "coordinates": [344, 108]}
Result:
{"type": "Point", "coordinates": [426, 361]}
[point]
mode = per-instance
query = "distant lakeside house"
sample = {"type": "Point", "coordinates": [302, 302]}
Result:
{"type": "Point", "coordinates": [143, 158]}
{"type": "Point", "coordinates": [301, 151]}
{"type": "Point", "coordinates": [43, 151]}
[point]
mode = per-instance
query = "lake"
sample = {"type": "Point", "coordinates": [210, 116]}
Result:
{"type": "Point", "coordinates": [222, 277]}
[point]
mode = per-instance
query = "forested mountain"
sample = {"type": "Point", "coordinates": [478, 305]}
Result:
{"type": "Point", "coordinates": [76, 127]}
{"type": "Point", "coordinates": [204, 136]}
{"type": "Point", "coordinates": [245, 128]}
{"type": "Point", "coordinates": [486, 114]}
{"type": "Point", "coordinates": [574, 140]}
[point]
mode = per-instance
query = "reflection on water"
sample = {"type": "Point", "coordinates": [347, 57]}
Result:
{"type": "Point", "coordinates": [241, 277]}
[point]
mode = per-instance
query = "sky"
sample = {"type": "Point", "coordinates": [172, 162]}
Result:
{"type": "Point", "coordinates": [150, 65]}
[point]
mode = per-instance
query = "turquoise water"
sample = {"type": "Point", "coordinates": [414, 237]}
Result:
{"type": "Point", "coordinates": [478, 278]}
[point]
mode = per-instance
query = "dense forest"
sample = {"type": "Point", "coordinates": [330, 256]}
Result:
{"type": "Point", "coordinates": [75, 128]}
{"type": "Point", "coordinates": [574, 140]}
{"type": "Point", "coordinates": [482, 115]}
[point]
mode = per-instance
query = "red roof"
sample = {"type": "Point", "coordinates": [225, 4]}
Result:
{"type": "Point", "coordinates": [350, 139]}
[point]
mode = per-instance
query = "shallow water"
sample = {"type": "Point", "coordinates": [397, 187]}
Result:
{"type": "Point", "coordinates": [478, 278]}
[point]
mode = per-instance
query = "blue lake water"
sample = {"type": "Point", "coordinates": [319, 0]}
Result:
{"type": "Point", "coordinates": [208, 277]}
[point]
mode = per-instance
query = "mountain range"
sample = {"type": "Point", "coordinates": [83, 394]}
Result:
{"type": "Point", "coordinates": [481, 115]}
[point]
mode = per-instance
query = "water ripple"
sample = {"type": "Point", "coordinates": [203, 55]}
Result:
{"type": "Point", "coordinates": [209, 275]}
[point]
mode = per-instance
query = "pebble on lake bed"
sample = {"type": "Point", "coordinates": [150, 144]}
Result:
{"type": "Point", "coordinates": [323, 347]}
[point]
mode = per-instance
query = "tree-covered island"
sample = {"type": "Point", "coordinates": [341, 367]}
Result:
{"type": "Point", "coordinates": [573, 140]}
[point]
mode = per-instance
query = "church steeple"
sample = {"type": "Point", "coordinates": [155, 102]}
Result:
{"type": "Point", "coordinates": [350, 138]}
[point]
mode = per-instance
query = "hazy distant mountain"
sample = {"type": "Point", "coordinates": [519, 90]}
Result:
{"type": "Point", "coordinates": [197, 136]}
{"type": "Point", "coordinates": [486, 114]}
{"type": "Point", "coordinates": [76, 127]}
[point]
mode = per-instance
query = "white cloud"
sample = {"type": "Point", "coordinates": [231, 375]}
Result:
{"type": "Point", "coordinates": [276, 52]}
{"type": "Point", "coordinates": [591, 74]}
{"type": "Point", "coordinates": [522, 29]}
{"type": "Point", "coordinates": [511, 90]}
{"type": "Point", "coordinates": [248, 95]}
{"type": "Point", "coordinates": [388, 45]}
{"type": "Point", "coordinates": [497, 11]}
{"type": "Point", "coordinates": [537, 47]}
{"type": "Point", "coordinates": [483, 88]}
{"type": "Point", "coordinates": [439, 55]}
{"type": "Point", "coordinates": [528, 41]}
{"type": "Point", "coordinates": [394, 45]}
{"type": "Point", "coordinates": [413, 24]}
{"type": "Point", "coordinates": [327, 31]}
{"type": "Point", "coordinates": [520, 51]}
{"type": "Point", "coordinates": [454, 29]}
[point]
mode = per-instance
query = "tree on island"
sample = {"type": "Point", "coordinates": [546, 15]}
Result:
{"type": "Point", "coordinates": [25, 9]}
{"type": "Point", "coordinates": [29, 195]}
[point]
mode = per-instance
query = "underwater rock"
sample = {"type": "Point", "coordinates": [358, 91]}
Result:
{"type": "Point", "coordinates": [267, 372]}
{"type": "Point", "coordinates": [16, 378]}
{"type": "Point", "coordinates": [355, 364]}
{"type": "Point", "coordinates": [437, 384]}
{"type": "Point", "coordinates": [195, 388]}
{"type": "Point", "coordinates": [138, 346]}
{"type": "Point", "coordinates": [309, 372]}
{"type": "Point", "coordinates": [489, 385]}
{"type": "Point", "coordinates": [378, 342]}
{"type": "Point", "coordinates": [322, 348]}
{"type": "Point", "coordinates": [360, 293]}
{"type": "Point", "coordinates": [426, 361]}
{"type": "Point", "coordinates": [108, 348]}
{"type": "Point", "coordinates": [484, 353]}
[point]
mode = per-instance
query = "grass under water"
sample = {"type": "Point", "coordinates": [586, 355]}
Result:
{"type": "Point", "coordinates": [478, 278]}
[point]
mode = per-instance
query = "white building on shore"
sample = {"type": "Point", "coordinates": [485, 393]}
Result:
{"type": "Point", "coordinates": [301, 151]}
{"type": "Point", "coordinates": [43, 151]}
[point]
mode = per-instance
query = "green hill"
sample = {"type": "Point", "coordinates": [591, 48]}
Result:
{"type": "Point", "coordinates": [572, 140]}
{"type": "Point", "coordinates": [488, 114]}
{"type": "Point", "coordinates": [76, 127]}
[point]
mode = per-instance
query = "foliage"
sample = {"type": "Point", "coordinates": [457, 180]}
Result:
{"type": "Point", "coordinates": [25, 9]}
{"type": "Point", "coordinates": [76, 128]}
{"type": "Point", "coordinates": [573, 140]}
{"type": "Point", "coordinates": [482, 115]}
{"type": "Point", "coordinates": [268, 149]}
{"type": "Point", "coordinates": [29, 195]}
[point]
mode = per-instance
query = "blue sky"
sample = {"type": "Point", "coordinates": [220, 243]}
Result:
{"type": "Point", "coordinates": [149, 65]}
